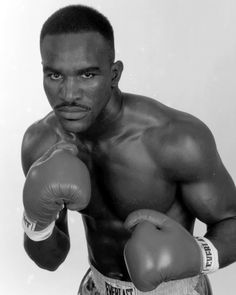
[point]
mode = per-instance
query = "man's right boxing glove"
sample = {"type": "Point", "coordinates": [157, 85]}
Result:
{"type": "Point", "coordinates": [55, 180]}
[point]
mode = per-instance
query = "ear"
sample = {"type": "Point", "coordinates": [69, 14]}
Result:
{"type": "Point", "coordinates": [116, 71]}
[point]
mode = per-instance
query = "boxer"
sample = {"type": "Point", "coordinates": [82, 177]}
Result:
{"type": "Point", "coordinates": [137, 171]}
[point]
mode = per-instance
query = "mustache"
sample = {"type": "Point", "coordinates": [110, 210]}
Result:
{"type": "Point", "coordinates": [72, 104]}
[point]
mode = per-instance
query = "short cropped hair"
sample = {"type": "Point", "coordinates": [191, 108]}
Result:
{"type": "Point", "coordinates": [76, 19]}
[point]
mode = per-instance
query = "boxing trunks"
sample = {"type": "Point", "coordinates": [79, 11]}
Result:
{"type": "Point", "coordinates": [94, 283]}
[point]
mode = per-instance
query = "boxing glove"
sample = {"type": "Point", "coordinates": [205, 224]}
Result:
{"type": "Point", "coordinates": [159, 250]}
{"type": "Point", "coordinates": [56, 180]}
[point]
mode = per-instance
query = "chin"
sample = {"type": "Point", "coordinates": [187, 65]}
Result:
{"type": "Point", "coordinates": [75, 126]}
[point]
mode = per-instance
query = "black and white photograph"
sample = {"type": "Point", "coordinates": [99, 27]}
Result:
{"type": "Point", "coordinates": [118, 160]}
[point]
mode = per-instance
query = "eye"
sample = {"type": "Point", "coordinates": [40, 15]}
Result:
{"type": "Point", "coordinates": [88, 75]}
{"type": "Point", "coordinates": [55, 76]}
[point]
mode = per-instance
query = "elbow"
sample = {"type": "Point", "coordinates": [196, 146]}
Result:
{"type": "Point", "coordinates": [50, 262]}
{"type": "Point", "coordinates": [44, 258]}
{"type": "Point", "coordinates": [48, 266]}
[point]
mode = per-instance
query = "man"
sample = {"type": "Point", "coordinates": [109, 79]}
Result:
{"type": "Point", "coordinates": [139, 173]}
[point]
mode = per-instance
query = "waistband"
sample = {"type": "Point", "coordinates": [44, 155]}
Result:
{"type": "Point", "coordinates": [109, 286]}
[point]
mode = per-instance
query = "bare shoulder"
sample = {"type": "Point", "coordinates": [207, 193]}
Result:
{"type": "Point", "coordinates": [38, 138]}
{"type": "Point", "coordinates": [182, 145]}
{"type": "Point", "coordinates": [189, 145]}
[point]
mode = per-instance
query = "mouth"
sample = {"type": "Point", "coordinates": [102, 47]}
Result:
{"type": "Point", "coordinates": [73, 113]}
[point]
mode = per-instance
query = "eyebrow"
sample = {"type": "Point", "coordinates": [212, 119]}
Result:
{"type": "Point", "coordinates": [78, 72]}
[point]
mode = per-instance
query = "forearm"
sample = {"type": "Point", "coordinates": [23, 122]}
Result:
{"type": "Point", "coordinates": [223, 236]}
{"type": "Point", "coordinates": [50, 253]}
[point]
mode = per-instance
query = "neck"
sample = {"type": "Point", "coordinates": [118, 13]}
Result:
{"type": "Point", "coordinates": [107, 120]}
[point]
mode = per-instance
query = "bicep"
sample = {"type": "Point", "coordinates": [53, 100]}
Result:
{"type": "Point", "coordinates": [194, 163]}
{"type": "Point", "coordinates": [27, 158]}
{"type": "Point", "coordinates": [36, 141]}
{"type": "Point", "coordinates": [212, 198]}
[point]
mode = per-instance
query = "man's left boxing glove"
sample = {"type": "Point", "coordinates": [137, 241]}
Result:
{"type": "Point", "coordinates": [54, 181]}
{"type": "Point", "coordinates": [159, 250]}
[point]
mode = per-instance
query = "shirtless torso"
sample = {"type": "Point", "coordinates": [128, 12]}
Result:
{"type": "Point", "coordinates": [150, 156]}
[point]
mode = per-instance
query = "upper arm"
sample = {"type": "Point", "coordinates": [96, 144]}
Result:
{"type": "Point", "coordinates": [38, 138]}
{"type": "Point", "coordinates": [211, 198]}
{"type": "Point", "coordinates": [205, 186]}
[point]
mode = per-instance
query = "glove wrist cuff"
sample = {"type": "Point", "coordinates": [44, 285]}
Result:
{"type": "Point", "coordinates": [210, 260]}
{"type": "Point", "coordinates": [29, 229]}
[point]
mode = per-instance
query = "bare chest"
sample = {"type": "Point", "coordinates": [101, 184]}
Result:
{"type": "Point", "coordinates": [126, 178]}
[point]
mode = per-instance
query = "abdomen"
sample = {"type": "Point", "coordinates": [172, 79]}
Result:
{"type": "Point", "coordinates": [106, 239]}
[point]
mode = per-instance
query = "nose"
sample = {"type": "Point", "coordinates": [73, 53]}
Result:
{"type": "Point", "coordinates": [70, 89]}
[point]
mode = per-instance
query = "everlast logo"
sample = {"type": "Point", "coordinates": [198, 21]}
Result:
{"type": "Point", "coordinates": [208, 255]}
{"type": "Point", "coordinates": [111, 290]}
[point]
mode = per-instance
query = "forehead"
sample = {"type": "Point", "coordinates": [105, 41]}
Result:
{"type": "Point", "coordinates": [75, 49]}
